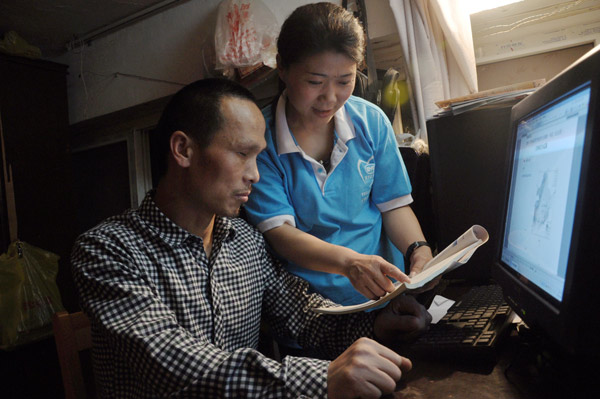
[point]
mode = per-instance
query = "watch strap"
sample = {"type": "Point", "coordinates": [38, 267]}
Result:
{"type": "Point", "coordinates": [411, 248]}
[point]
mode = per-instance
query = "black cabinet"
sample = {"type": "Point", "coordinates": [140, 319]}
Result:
{"type": "Point", "coordinates": [468, 155]}
{"type": "Point", "coordinates": [33, 105]}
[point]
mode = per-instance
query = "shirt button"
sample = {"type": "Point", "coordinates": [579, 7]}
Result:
{"type": "Point", "coordinates": [321, 171]}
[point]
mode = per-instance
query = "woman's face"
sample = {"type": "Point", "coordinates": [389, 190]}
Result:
{"type": "Point", "coordinates": [317, 87]}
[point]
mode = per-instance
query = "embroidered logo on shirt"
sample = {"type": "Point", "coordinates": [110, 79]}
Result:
{"type": "Point", "coordinates": [366, 170]}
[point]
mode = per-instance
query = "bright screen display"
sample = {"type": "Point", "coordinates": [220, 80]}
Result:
{"type": "Point", "coordinates": [543, 191]}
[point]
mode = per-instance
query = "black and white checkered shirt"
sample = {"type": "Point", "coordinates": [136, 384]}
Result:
{"type": "Point", "coordinates": [168, 321]}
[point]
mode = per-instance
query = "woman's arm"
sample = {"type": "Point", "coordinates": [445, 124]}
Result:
{"type": "Point", "coordinates": [403, 228]}
{"type": "Point", "coordinates": [367, 273]}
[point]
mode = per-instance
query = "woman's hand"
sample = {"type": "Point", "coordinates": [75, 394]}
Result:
{"type": "Point", "coordinates": [418, 259]}
{"type": "Point", "coordinates": [370, 275]}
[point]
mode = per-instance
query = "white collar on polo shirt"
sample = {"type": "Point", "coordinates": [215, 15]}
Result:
{"type": "Point", "coordinates": [285, 142]}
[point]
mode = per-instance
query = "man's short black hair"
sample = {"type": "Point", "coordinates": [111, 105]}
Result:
{"type": "Point", "coordinates": [196, 111]}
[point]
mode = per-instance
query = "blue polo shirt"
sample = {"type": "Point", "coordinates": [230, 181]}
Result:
{"type": "Point", "coordinates": [367, 177]}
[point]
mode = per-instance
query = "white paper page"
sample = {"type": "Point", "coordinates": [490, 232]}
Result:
{"type": "Point", "coordinates": [456, 254]}
{"type": "Point", "coordinates": [439, 307]}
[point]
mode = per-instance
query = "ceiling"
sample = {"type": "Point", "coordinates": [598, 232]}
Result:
{"type": "Point", "coordinates": [52, 24]}
{"type": "Point", "coordinates": [528, 11]}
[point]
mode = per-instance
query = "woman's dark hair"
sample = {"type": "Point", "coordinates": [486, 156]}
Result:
{"type": "Point", "coordinates": [196, 111]}
{"type": "Point", "coordinates": [314, 28]}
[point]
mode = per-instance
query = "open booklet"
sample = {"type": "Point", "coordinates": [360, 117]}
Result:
{"type": "Point", "coordinates": [453, 256]}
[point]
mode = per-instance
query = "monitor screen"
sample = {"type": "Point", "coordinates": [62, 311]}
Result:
{"type": "Point", "coordinates": [546, 262]}
{"type": "Point", "coordinates": [543, 191]}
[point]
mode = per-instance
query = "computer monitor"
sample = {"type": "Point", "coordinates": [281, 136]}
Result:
{"type": "Point", "coordinates": [547, 262]}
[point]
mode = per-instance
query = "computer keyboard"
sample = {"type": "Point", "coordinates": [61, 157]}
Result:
{"type": "Point", "coordinates": [471, 330]}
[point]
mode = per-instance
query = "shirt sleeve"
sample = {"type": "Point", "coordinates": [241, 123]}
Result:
{"type": "Point", "coordinates": [391, 187]}
{"type": "Point", "coordinates": [269, 205]}
{"type": "Point", "coordinates": [287, 307]}
{"type": "Point", "coordinates": [131, 322]}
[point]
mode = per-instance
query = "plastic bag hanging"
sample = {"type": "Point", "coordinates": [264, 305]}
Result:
{"type": "Point", "coordinates": [29, 295]}
{"type": "Point", "coordinates": [245, 34]}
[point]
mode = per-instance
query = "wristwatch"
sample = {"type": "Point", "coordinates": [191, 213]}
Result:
{"type": "Point", "coordinates": [411, 248]}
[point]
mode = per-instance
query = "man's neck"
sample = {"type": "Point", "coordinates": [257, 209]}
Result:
{"type": "Point", "coordinates": [175, 206]}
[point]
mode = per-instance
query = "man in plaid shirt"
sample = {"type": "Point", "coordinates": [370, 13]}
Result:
{"type": "Point", "coordinates": [176, 289]}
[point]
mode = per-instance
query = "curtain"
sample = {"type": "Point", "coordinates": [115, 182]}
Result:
{"type": "Point", "coordinates": [437, 45]}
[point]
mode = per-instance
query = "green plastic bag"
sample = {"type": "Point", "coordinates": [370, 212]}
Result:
{"type": "Point", "coordinates": [29, 295]}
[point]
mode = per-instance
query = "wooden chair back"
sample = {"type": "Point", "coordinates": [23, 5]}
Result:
{"type": "Point", "coordinates": [72, 333]}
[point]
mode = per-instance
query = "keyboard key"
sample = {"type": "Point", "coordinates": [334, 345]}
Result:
{"type": "Point", "coordinates": [471, 328]}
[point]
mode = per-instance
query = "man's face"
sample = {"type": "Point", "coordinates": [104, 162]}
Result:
{"type": "Point", "coordinates": [224, 172]}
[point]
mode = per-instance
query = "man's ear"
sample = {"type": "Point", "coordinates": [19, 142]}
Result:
{"type": "Point", "coordinates": [181, 148]}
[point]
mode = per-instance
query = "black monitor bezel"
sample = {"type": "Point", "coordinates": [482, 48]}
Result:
{"type": "Point", "coordinates": [572, 249]}
{"type": "Point", "coordinates": [533, 305]}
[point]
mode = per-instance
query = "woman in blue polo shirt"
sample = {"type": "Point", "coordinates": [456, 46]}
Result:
{"type": "Point", "coordinates": [333, 193]}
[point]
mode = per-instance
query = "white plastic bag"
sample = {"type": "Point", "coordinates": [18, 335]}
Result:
{"type": "Point", "coordinates": [245, 35]}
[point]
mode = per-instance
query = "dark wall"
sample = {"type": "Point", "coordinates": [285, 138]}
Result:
{"type": "Point", "coordinates": [33, 104]}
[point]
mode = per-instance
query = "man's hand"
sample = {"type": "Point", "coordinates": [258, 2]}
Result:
{"type": "Point", "coordinates": [401, 320]}
{"type": "Point", "coordinates": [369, 275]}
{"type": "Point", "coordinates": [366, 369]}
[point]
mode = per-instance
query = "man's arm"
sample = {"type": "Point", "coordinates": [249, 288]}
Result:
{"type": "Point", "coordinates": [369, 369]}
{"type": "Point", "coordinates": [362, 366]}
{"type": "Point", "coordinates": [143, 336]}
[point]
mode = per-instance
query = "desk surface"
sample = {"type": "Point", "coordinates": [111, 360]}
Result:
{"type": "Point", "coordinates": [523, 370]}
{"type": "Point", "coordinates": [443, 379]}
{"type": "Point", "coordinates": [518, 374]}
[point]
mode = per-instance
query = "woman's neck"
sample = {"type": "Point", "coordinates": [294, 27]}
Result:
{"type": "Point", "coordinates": [315, 140]}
